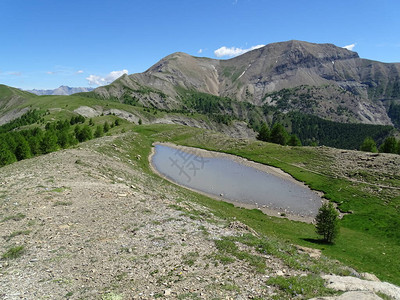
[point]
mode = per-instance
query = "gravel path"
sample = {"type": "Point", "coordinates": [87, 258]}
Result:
{"type": "Point", "coordinates": [93, 226]}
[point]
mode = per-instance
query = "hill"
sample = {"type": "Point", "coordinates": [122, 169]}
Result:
{"type": "Point", "coordinates": [319, 79]}
{"type": "Point", "coordinates": [94, 222]}
{"type": "Point", "coordinates": [11, 99]}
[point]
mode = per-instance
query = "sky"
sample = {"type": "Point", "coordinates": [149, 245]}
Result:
{"type": "Point", "coordinates": [80, 43]}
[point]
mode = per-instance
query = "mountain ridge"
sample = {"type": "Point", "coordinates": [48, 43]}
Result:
{"type": "Point", "coordinates": [251, 77]}
{"type": "Point", "coordinates": [62, 90]}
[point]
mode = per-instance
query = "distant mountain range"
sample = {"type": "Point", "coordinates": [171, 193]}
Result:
{"type": "Point", "coordinates": [62, 90]}
{"type": "Point", "coordinates": [317, 79]}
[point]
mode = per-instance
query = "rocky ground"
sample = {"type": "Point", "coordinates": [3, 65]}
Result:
{"type": "Point", "coordinates": [88, 223]}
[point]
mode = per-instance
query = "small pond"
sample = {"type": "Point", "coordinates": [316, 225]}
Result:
{"type": "Point", "coordinates": [230, 179]}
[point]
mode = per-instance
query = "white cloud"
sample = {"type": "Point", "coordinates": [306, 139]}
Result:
{"type": "Point", "coordinates": [80, 72]}
{"type": "Point", "coordinates": [200, 51]}
{"type": "Point", "coordinates": [50, 72]}
{"type": "Point", "coordinates": [99, 80]}
{"type": "Point", "coordinates": [350, 47]}
{"type": "Point", "coordinates": [233, 51]}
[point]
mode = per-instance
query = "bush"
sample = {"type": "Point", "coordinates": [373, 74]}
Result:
{"type": "Point", "coordinates": [369, 145]}
{"type": "Point", "coordinates": [327, 222]}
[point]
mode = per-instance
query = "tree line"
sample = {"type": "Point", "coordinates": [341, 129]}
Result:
{"type": "Point", "coordinates": [389, 145]}
{"type": "Point", "coordinates": [278, 135]}
{"type": "Point", "coordinates": [28, 118]}
{"type": "Point", "coordinates": [23, 144]}
{"type": "Point", "coordinates": [314, 130]}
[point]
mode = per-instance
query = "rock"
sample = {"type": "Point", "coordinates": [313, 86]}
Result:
{"type": "Point", "coordinates": [313, 253]}
{"type": "Point", "coordinates": [351, 296]}
{"type": "Point", "coordinates": [369, 276]}
{"type": "Point", "coordinates": [167, 292]}
{"type": "Point", "coordinates": [279, 273]}
{"type": "Point", "coordinates": [348, 283]}
{"type": "Point", "coordinates": [237, 225]}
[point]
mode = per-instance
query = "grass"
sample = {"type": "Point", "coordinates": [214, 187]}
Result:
{"type": "Point", "coordinates": [227, 246]}
{"type": "Point", "coordinates": [17, 233]}
{"type": "Point", "coordinates": [369, 239]}
{"type": "Point", "coordinates": [190, 258]}
{"type": "Point", "coordinates": [301, 287]}
{"type": "Point", "coordinates": [374, 250]}
{"type": "Point", "coordinates": [14, 252]}
{"type": "Point", "coordinates": [17, 217]}
{"type": "Point", "coordinates": [62, 203]}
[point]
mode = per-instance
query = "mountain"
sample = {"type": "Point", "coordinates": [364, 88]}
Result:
{"type": "Point", "coordinates": [62, 90]}
{"type": "Point", "coordinates": [318, 79]}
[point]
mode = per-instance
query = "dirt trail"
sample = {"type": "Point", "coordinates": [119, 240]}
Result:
{"type": "Point", "coordinates": [93, 224]}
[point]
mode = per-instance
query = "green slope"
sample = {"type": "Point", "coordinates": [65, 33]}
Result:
{"type": "Point", "coordinates": [369, 239]}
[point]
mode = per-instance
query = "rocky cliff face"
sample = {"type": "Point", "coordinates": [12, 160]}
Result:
{"type": "Point", "coordinates": [341, 81]}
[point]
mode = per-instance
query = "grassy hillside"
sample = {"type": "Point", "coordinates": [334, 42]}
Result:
{"type": "Point", "coordinates": [369, 238]}
{"type": "Point", "coordinates": [11, 98]}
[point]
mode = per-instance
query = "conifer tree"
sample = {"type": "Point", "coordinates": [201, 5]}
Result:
{"type": "Point", "coordinates": [6, 156]}
{"type": "Point", "coordinates": [327, 222]}
{"type": "Point", "coordinates": [278, 134]}
{"type": "Point", "coordinates": [263, 134]}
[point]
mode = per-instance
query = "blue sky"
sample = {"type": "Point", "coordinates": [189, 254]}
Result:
{"type": "Point", "coordinates": [48, 43]}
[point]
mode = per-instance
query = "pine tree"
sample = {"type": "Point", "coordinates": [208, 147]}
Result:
{"type": "Point", "coordinates": [389, 145]}
{"type": "Point", "coordinates": [263, 134]}
{"type": "Point", "coordinates": [23, 150]}
{"type": "Point", "coordinates": [85, 134]}
{"type": "Point", "coordinates": [63, 138]}
{"type": "Point", "coordinates": [294, 140]}
{"type": "Point", "coordinates": [278, 134]}
{"type": "Point", "coordinates": [106, 127]}
{"type": "Point", "coordinates": [99, 131]}
{"type": "Point", "coordinates": [327, 222]}
{"type": "Point", "coordinates": [6, 156]}
{"type": "Point", "coordinates": [49, 142]}
{"type": "Point", "coordinates": [34, 144]}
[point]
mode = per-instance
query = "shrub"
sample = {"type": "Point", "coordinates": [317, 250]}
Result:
{"type": "Point", "coordinates": [369, 145]}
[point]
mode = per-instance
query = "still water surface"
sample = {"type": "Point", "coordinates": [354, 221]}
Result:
{"type": "Point", "coordinates": [234, 181]}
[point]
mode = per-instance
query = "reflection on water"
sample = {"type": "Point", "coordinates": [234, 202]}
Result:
{"type": "Point", "coordinates": [234, 181]}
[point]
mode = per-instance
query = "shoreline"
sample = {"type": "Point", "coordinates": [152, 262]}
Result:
{"type": "Point", "coordinates": [264, 168]}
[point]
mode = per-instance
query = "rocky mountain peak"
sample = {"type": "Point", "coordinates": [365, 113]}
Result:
{"type": "Point", "coordinates": [358, 89]}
